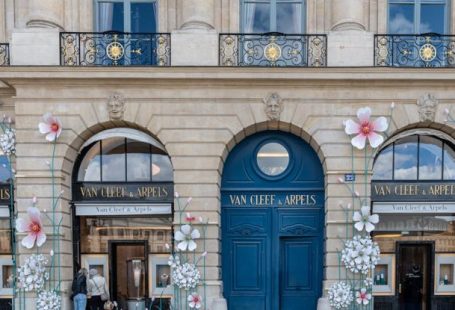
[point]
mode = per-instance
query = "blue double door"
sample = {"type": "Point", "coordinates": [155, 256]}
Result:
{"type": "Point", "coordinates": [272, 258]}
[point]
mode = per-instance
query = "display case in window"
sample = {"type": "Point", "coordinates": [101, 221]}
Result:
{"type": "Point", "coordinates": [6, 277]}
{"type": "Point", "coordinates": [444, 274]}
{"type": "Point", "coordinates": [160, 275]}
{"type": "Point", "coordinates": [136, 283]}
{"type": "Point", "coordinates": [384, 276]}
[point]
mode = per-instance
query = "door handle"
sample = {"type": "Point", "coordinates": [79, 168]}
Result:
{"type": "Point", "coordinates": [399, 288]}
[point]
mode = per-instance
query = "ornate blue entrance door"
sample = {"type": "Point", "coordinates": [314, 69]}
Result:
{"type": "Point", "coordinates": [272, 224]}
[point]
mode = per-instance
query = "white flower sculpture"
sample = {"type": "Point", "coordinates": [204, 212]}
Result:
{"type": "Point", "coordinates": [48, 300]}
{"type": "Point", "coordinates": [360, 254]}
{"type": "Point", "coordinates": [365, 220]}
{"type": "Point", "coordinates": [194, 301]}
{"type": "Point", "coordinates": [340, 295]}
{"type": "Point", "coordinates": [32, 274]}
{"type": "Point", "coordinates": [366, 129]}
{"type": "Point", "coordinates": [8, 141]}
{"type": "Point", "coordinates": [185, 276]}
{"type": "Point", "coordinates": [185, 237]}
{"type": "Point", "coordinates": [368, 282]}
{"type": "Point", "coordinates": [362, 297]}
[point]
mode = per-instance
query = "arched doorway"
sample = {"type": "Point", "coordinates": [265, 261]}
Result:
{"type": "Point", "coordinates": [272, 224]}
{"type": "Point", "coordinates": [123, 206]}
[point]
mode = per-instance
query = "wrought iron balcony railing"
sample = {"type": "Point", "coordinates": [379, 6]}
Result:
{"type": "Point", "coordinates": [273, 49]}
{"type": "Point", "coordinates": [4, 54]}
{"type": "Point", "coordinates": [115, 49]}
{"type": "Point", "coordinates": [426, 50]}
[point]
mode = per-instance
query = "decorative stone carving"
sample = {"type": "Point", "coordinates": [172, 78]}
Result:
{"type": "Point", "coordinates": [116, 106]}
{"type": "Point", "coordinates": [427, 107]}
{"type": "Point", "coordinates": [273, 106]}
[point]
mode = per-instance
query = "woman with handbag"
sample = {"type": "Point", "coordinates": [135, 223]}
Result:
{"type": "Point", "coordinates": [79, 288]}
{"type": "Point", "coordinates": [97, 289]}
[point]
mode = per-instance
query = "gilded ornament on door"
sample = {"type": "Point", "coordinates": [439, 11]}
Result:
{"type": "Point", "coordinates": [427, 52]}
{"type": "Point", "coordinates": [272, 52]}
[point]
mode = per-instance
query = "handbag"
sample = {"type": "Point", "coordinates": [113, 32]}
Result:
{"type": "Point", "coordinates": [104, 295]}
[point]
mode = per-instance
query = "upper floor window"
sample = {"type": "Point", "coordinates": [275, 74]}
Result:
{"type": "Point", "coordinates": [418, 16]}
{"type": "Point", "coordinates": [285, 16]}
{"type": "Point", "coordinates": [416, 157]}
{"type": "Point", "coordinates": [126, 16]}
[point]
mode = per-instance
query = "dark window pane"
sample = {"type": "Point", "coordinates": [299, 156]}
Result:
{"type": "Point", "coordinates": [89, 170]}
{"type": "Point", "coordinates": [430, 158]}
{"type": "Point", "coordinates": [289, 17]}
{"type": "Point", "coordinates": [114, 159]}
{"type": "Point", "coordinates": [143, 17]}
{"type": "Point", "coordinates": [138, 161]}
{"type": "Point", "coordinates": [401, 19]}
{"type": "Point", "coordinates": [406, 159]}
{"type": "Point", "coordinates": [432, 18]}
{"type": "Point", "coordinates": [5, 169]}
{"type": "Point", "coordinates": [383, 166]}
{"type": "Point", "coordinates": [449, 163]}
{"type": "Point", "coordinates": [256, 17]}
{"type": "Point", "coordinates": [161, 167]}
{"type": "Point", "coordinates": [110, 16]}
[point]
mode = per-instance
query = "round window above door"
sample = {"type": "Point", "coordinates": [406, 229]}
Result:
{"type": "Point", "coordinates": [272, 159]}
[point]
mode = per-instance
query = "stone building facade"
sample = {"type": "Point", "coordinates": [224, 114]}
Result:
{"type": "Point", "coordinates": [199, 111]}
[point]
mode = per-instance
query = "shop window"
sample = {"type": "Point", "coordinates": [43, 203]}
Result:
{"type": "Point", "coordinates": [416, 157]}
{"type": "Point", "coordinates": [418, 16]}
{"type": "Point", "coordinates": [138, 16]}
{"type": "Point", "coordinates": [285, 16]}
{"type": "Point", "coordinates": [5, 170]}
{"type": "Point", "coordinates": [5, 236]}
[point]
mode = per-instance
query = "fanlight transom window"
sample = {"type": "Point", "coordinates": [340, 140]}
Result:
{"type": "Point", "coordinates": [122, 159]}
{"type": "Point", "coordinates": [416, 157]}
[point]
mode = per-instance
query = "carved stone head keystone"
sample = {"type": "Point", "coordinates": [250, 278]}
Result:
{"type": "Point", "coordinates": [427, 107]}
{"type": "Point", "coordinates": [116, 106]}
{"type": "Point", "coordinates": [273, 106]}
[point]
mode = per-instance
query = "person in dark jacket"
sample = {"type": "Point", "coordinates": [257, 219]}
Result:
{"type": "Point", "coordinates": [79, 288]}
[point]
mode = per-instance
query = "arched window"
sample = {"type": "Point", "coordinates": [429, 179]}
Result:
{"type": "Point", "coordinates": [124, 156]}
{"type": "Point", "coordinates": [416, 157]}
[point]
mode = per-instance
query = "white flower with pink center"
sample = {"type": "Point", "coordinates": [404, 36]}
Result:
{"type": "Point", "coordinates": [194, 301]}
{"type": "Point", "coordinates": [51, 127]}
{"type": "Point", "coordinates": [33, 227]}
{"type": "Point", "coordinates": [362, 297]}
{"type": "Point", "coordinates": [366, 129]}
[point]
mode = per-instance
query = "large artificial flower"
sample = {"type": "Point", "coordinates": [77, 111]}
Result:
{"type": "Point", "coordinates": [364, 219]}
{"type": "Point", "coordinates": [185, 237]}
{"type": "Point", "coordinates": [360, 254]}
{"type": "Point", "coordinates": [362, 296]}
{"type": "Point", "coordinates": [32, 274]}
{"type": "Point", "coordinates": [340, 295]}
{"type": "Point", "coordinates": [8, 141]}
{"type": "Point", "coordinates": [194, 301]}
{"type": "Point", "coordinates": [51, 127]}
{"type": "Point", "coordinates": [33, 227]}
{"type": "Point", "coordinates": [185, 276]}
{"type": "Point", "coordinates": [48, 300]}
{"type": "Point", "coordinates": [366, 129]}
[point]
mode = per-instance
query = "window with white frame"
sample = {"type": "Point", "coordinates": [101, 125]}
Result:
{"type": "Point", "coordinates": [285, 16]}
{"type": "Point", "coordinates": [138, 16]}
{"type": "Point", "coordinates": [418, 16]}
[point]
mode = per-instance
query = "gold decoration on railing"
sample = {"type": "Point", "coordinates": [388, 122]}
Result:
{"type": "Point", "coordinates": [427, 52]}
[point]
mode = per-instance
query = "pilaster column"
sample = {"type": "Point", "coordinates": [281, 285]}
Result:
{"type": "Point", "coordinates": [45, 14]}
{"type": "Point", "coordinates": [197, 14]}
{"type": "Point", "coordinates": [348, 15]}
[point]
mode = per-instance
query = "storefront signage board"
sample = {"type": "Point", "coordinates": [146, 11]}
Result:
{"type": "Point", "coordinates": [272, 199]}
{"type": "Point", "coordinates": [122, 210]}
{"type": "Point", "coordinates": [124, 192]}
{"type": "Point", "coordinates": [421, 191]}
{"type": "Point", "coordinates": [424, 207]}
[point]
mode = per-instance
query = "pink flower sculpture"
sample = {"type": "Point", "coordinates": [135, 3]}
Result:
{"type": "Point", "coordinates": [51, 127]}
{"type": "Point", "coordinates": [33, 227]}
{"type": "Point", "coordinates": [194, 301]}
{"type": "Point", "coordinates": [366, 129]}
{"type": "Point", "coordinates": [362, 297]}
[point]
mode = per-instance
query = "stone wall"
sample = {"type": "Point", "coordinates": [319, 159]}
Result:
{"type": "Point", "coordinates": [200, 115]}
